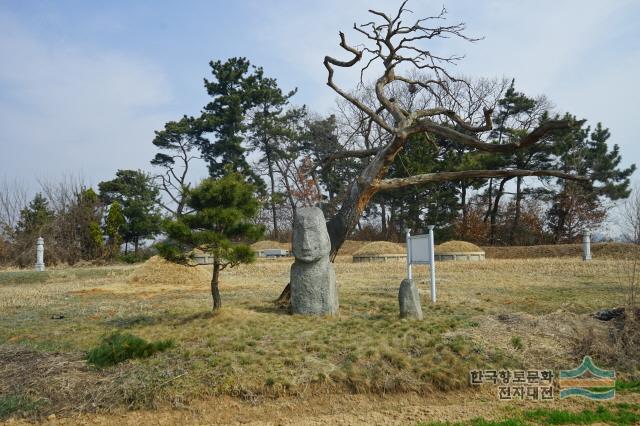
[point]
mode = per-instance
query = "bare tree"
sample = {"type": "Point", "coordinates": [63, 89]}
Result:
{"type": "Point", "coordinates": [631, 217]}
{"type": "Point", "coordinates": [396, 45]}
{"type": "Point", "coordinates": [13, 198]}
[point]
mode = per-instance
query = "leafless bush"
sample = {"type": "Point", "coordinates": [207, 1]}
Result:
{"type": "Point", "coordinates": [631, 217]}
{"type": "Point", "coordinates": [13, 198]}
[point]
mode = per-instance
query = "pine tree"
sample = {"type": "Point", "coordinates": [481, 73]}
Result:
{"type": "Point", "coordinates": [268, 125]}
{"type": "Point", "coordinates": [575, 206]}
{"type": "Point", "coordinates": [235, 91]}
{"type": "Point", "coordinates": [138, 197]}
{"type": "Point", "coordinates": [220, 224]}
{"type": "Point", "coordinates": [113, 228]}
{"type": "Point", "coordinates": [35, 217]}
{"type": "Point", "coordinates": [176, 141]}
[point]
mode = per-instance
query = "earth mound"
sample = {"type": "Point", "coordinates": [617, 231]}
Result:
{"type": "Point", "coordinates": [380, 248]}
{"type": "Point", "coordinates": [158, 271]}
{"type": "Point", "coordinates": [457, 247]}
{"type": "Point", "coordinates": [270, 244]}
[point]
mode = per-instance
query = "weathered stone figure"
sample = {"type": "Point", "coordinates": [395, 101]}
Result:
{"type": "Point", "coordinates": [409, 299]}
{"type": "Point", "coordinates": [313, 278]}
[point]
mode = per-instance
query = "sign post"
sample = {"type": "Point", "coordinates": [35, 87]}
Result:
{"type": "Point", "coordinates": [409, 274]}
{"type": "Point", "coordinates": [432, 264]}
{"type": "Point", "coordinates": [420, 251]}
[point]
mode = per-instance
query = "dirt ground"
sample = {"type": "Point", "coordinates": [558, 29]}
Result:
{"type": "Point", "coordinates": [338, 409]}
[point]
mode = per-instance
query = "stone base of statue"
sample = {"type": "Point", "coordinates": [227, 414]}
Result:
{"type": "Point", "coordinates": [409, 299]}
{"type": "Point", "coordinates": [313, 288]}
{"type": "Point", "coordinates": [313, 278]}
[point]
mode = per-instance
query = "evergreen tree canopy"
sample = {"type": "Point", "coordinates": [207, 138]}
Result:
{"type": "Point", "coordinates": [236, 88]}
{"type": "Point", "coordinates": [577, 205]}
{"type": "Point", "coordinates": [220, 224]}
{"type": "Point", "coordinates": [135, 193]}
{"type": "Point", "coordinates": [35, 216]}
{"type": "Point", "coordinates": [176, 142]}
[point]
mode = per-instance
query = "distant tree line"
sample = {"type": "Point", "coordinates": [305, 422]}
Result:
{"type": "Point", "coordinates": [294, 159]}
{"type": "Point", "coordinates": [78, 223]}
{"type": "Point", "coordinates": [291, 158]}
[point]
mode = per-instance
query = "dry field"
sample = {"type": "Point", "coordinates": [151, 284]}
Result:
{"type": "Point", "coordinates": [252, 362]}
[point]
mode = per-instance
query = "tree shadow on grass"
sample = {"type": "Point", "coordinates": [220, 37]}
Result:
{"type": "Point", "coordinates": [134, 321]}
{"type": "Point", "coordinates": [164, 317]}
{"type": "Point", "coordinates": [270, 309]}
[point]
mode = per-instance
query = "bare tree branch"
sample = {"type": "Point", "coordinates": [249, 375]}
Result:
{"type": "Point", "coordinates": [397, 183]}
{"type": "Point", "coordinates": [329, 61]}
{"type": "Point", "coordinates": [426, 125]}
{"type": "Point", "coordinates": [360, 153]}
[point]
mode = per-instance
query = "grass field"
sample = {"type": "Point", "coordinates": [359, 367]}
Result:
{"type": "Point", "coordinates": [531, 314]}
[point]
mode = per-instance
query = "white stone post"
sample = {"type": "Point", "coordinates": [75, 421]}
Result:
{"type": "Point", "coordinates": [40, 254]}
{"type": "Point", "coordinates": [432, 263]}
{"type": "Point", "coordinates": [409, 274]}
{"type": "Point", "coordinates": [586, 245]}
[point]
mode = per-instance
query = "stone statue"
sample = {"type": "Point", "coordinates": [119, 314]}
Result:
{"type": "Point", "coordinates": [313, 278]}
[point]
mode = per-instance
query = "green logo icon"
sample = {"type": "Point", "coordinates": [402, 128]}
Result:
{"type": "Point", "coordinates": [589, 381]}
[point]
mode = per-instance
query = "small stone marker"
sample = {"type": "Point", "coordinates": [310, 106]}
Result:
{"type": "Point", "coordinates": [409, 299]}
{"type": "Point", "coordinates": [313, 278]}
{"type": "Point", "coordinates": [40, 254]}
{"type": "Point", "coordinates": [586, 245]}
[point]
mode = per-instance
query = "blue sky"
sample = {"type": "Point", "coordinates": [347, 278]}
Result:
{"type": "Point", "coordinates": [83, 84]}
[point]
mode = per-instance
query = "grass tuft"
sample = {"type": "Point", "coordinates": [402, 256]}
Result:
{"type": "Point", "coordinates": [516, 342]}
{"type": "Point", "coordinates": [118, 347]}
{"type": "Point", "coordinates": [620, 416]}
{"type": "Point", "coordinates": [16, 404]}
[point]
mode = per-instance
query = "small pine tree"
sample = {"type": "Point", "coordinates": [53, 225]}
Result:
{"type": "Point", "coordinates": [35, 217]}
{"type": "Point", "coordinates": [113, 228]}
{"type": "Point", "coordinates": [219, 224]}
{"type": "Point", "coordinates": [137, 195]}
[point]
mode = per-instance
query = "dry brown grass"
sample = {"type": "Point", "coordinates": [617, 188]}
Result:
{"type": "Point", "coordinates": [252, 350]}
{"type": "Point", "coordinates": [457, 247]}
{"type": "Point", "coordinates": [379, 247]}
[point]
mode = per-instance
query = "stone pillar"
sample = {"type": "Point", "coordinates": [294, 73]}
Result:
{"type": "Point", "coordinates": [586, 245]}
{"type": "Point", "coordinates": [409, 299]}
{"type": "Point", "coordinates": [40, 254]}
{"type": "Point", "coordinates": [313, 278]}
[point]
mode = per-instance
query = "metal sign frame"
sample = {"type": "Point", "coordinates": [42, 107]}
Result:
{"type": "Point", "coordinates": [420, 251]}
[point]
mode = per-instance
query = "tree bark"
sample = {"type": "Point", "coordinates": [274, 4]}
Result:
{"type": "Point", "coordinates": [463, 202]}
{"type": "Point", "coordinates": [383, 213]}
{"type": "Point", "coordinates": [215, 291]}
{"type": "Point", "coordinates": [359, 194]}
{"type": "Point", "coordinates": [494, 210]}
{"type": "Point", "coordinates": [489, 203]}
{"type": "Point", "coordinates": [273, 190]}
{"type": "Point", "coordinates": [516, 216]}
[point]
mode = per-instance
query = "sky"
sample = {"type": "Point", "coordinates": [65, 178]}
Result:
{"type": "Point", "coordinates": [84, 84]}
